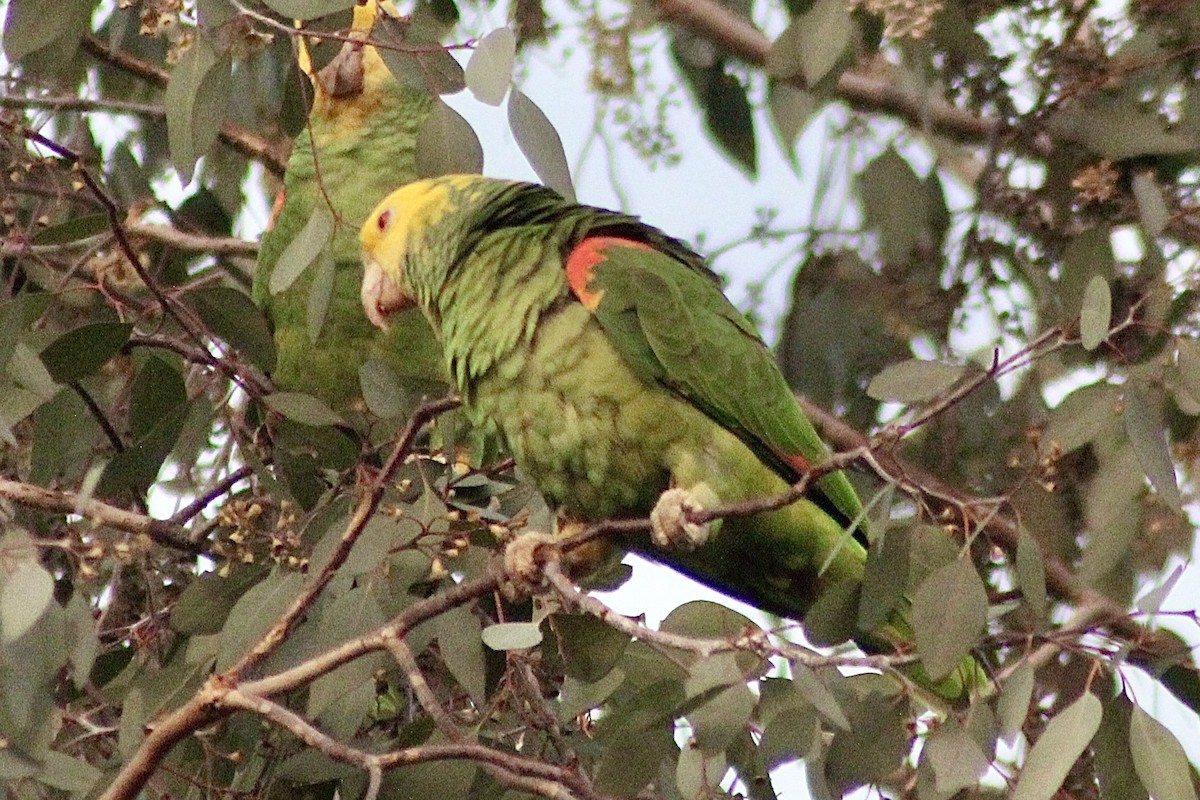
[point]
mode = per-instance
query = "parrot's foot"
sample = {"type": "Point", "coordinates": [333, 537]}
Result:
{"type": "Point", "coordinates": [523, 559]}
{"type": "Point", "coordinates": [669, 525]}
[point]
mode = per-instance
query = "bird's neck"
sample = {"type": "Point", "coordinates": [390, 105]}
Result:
{"type": "Point", "coordinates": [489, 308]}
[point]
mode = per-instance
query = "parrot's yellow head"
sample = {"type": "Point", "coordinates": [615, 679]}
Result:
{"type": "Point", "coordinates": [392, 234]}
{"type": "Point", "coordinates": [355, 79]}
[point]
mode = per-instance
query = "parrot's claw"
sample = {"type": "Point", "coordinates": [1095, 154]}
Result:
{"type": "Point", "coordinates": [523, 562]}
{"type": "Point", "coordinates": [669, 526]}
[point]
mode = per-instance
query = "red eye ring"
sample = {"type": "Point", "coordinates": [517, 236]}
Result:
{"type": "Point", "coordinates": [384, 218]}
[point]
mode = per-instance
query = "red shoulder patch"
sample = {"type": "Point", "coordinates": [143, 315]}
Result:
{"type": "Point", "coordinates": [280, 197]}
{"type": "Point", "coordinates": [586, 255]}
{"type": "Point", "coordinates": [797, 462]}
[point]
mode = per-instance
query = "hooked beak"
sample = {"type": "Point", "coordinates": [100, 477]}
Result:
{"type": "Point", "coordinates": [380, 295]}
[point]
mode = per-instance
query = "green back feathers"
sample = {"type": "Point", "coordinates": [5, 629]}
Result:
{"type": "Point", "coordinates": [488, 257]}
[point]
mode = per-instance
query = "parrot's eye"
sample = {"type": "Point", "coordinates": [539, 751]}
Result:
{"type": "Point", "coordinates": [385, 217]}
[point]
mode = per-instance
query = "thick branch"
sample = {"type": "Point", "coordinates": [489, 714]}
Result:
{"type": "Point", "coordinates": [715, 22]}
{"type": "Point", "coordinates": [165, 533]}
{"type": "Point", "coordinates": [238, 139]}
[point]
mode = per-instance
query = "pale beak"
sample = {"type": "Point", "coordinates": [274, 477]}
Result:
{"type": "Point", "coordinates": [380, 295]}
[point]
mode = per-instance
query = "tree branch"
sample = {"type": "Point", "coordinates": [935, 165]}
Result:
{"type": "Point", "coordinates": [248, 144]}
{"type": "Point", "coordinates": [1148, 645]}
{"type": "Point", "coordinates": [162, 532]}
{"type": "Point", "coordinates": [363, 512]}
{"type": "Point", "coordinates": [753, 641]}
{"type": "Point", "coordinates": [715, 22]}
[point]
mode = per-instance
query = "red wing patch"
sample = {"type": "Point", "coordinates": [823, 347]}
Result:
{"type": "Point", "coordinates": [586, 255]}
{"type": "Point", "coordinates": [280, 196]}
{"type": "Point", "coordinates": [797, 462]}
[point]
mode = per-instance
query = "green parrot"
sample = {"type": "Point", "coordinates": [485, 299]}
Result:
{"type": "Point", "coordinates": [360, 141]}
{"type": "Point", "coordinates": [624, 383]}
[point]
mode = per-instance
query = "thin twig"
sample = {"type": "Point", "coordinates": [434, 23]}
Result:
{"type": "Point", "coordinates": [117, 225]}
{"type": "Point", "coordinates": [185, 514]}
{"type": "Point", "coordinates": [1002, 530]}
{"type": "Point", "coordinates": [753, 641]}
{"type": "Point", "coordinates": [362, 514]}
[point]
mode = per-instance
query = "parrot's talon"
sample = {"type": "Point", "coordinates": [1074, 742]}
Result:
{"type": "Point", "coordinates": [669, 524]}
{"type": "Point", "coordinates": [523, 560]}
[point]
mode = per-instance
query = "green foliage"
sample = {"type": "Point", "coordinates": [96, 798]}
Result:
{"type": "Point", "coordinates": [961, 285]}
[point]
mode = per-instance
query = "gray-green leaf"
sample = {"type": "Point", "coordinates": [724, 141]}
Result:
{"type": "Point", "coordinates": [512, 635]}
{"type": "Point", "coordinates": [1147, 432]}
{"type": "Point", "coordinates": [196, 99]}
{"type": "Point", "coordinates": [1159, 758]}
{"type": "Point", "coordinates": [303, 408]}
{"type": "Point", "coordinates": [1053, 755]}
{"type": "Point", "coordinates": [539, 143]}
{"type": "Point", "coordinates": [489, 72]}
{"type": "Point", "coordinates": [949, 613]}
{"type": "Point", "coordinates": [1096, 313]}
{"type": "Point", "coordinates": [914, 381]}
{"type": "Point", "coordinates": [447, 144]}
{"type": "Point", "coordinates": [302, 250]}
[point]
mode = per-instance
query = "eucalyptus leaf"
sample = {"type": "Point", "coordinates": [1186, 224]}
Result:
{"type": "Point", "coordinates": [196, 98]}
{"type": "Point", "coordinates": [1152, 209]}
{"type": "Point", "coordinates": [540, 143]}
{"type": "Point", "coordinates": [307, 9]}
{"type": "Point", "coordinates": [813, 43]}
{"type": "Point", "coordinates": [489, 72]}
{"type": "Point", "coordinates": [74, 229]}
{"type": "Point", "coordinates": [461, 645]}
{"type": "Point", "coordinates": [512, 635]}
{"type": "Point", "coordinates": [1055, 751]}
{"type": "Point", "coordinates": [303, 250]}
{"type": "Point", "coordinates": [447, 144]}
{"type": "Point", "coordinates": [1146, 428]}
{"type": "Point", "coordinates": [303, 408]}
{"type": "Point", "coordinates": [894, 203]}
{"type": "Point", "coordinates": [1031, 574]}
{"type": "Point", "coordinates": [1096, 313]}
{"type": "Point", "coordinates": [956, 759]}
{"type": "Point", "coordinates": [381, 388]}
{"type": "Point", "coordinates": [948, 616]}
{"type": "Point", "coordinates": [1161, 761]}
{"type": "Point", "coordinates": [26, 591]}
{"type": "Point", "coordinates": [84, 350]}
{"type": "Point", "coordinates": [1188, 359]}
{"type": "Point", "coordinates": [590, 648]}
{"type": "Point", "coordinates": [914, 381]}
{"type": "Point", "coordinates": [699, 774]}
{"type": "Point", "coordinates": [417, 60]}
{"type": "Point", "coordinates": [233, 316]}
{"type": "Point", "coordinates": [320, 294]}
{"type": "Point", "coordinates": [791, 109]}
{"type": "Point", "coordinates": [729, 704]}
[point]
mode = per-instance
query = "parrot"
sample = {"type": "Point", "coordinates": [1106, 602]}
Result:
{"type": "Point", "coordinates": [607, 358]}
{"type": "Point", "coordinates": [359, 143]}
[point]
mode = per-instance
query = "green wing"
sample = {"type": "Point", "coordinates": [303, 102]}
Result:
{"type": "Point", "coordinates": [671, 321]}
